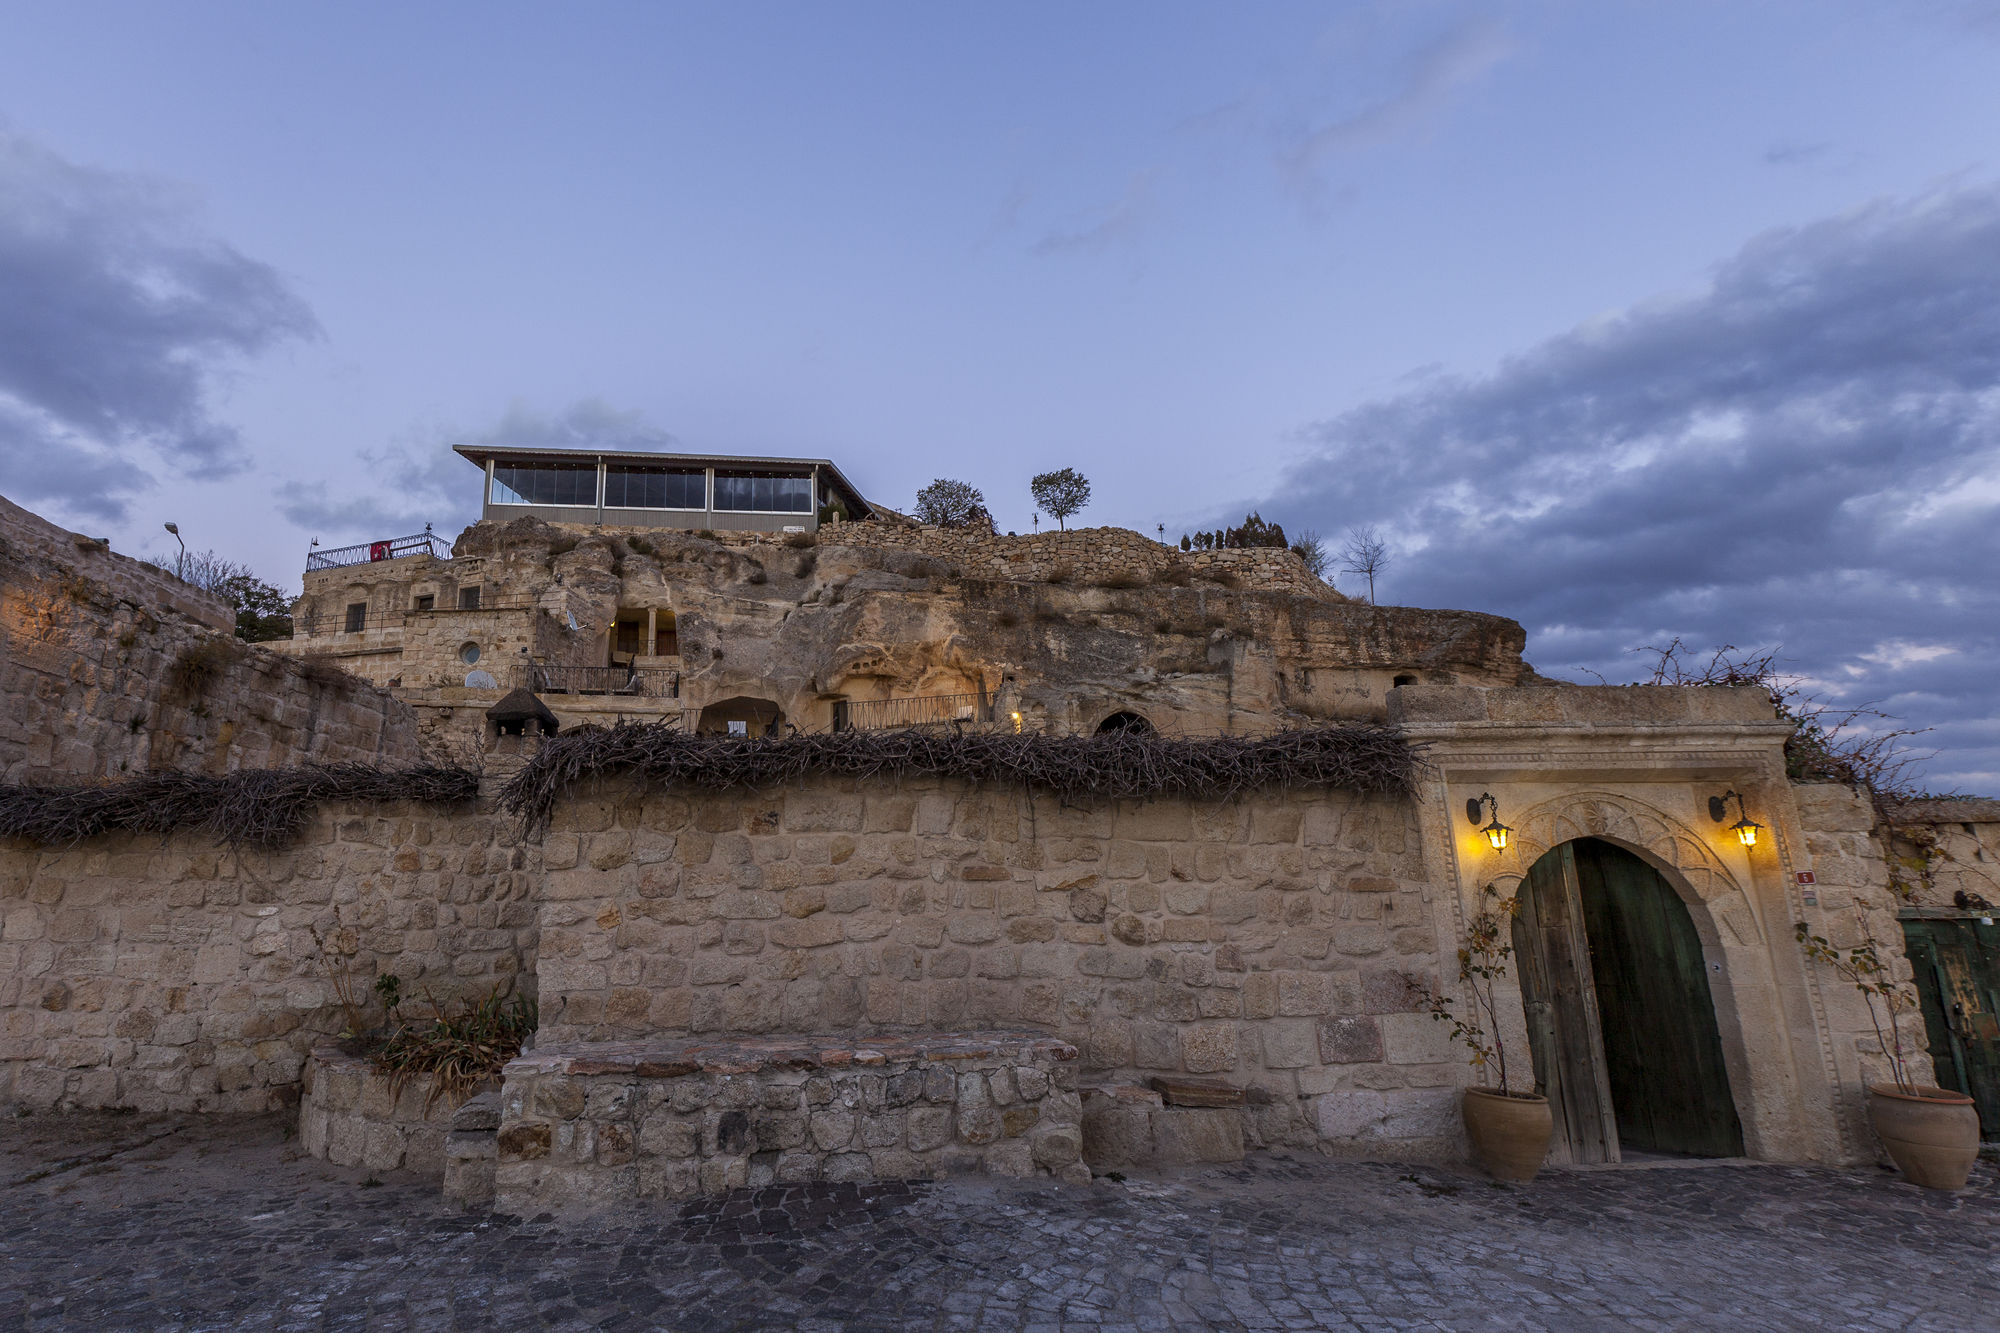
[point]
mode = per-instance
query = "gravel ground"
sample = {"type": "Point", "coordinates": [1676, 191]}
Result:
{"type": "Point", "coordinates": [127, 1222]}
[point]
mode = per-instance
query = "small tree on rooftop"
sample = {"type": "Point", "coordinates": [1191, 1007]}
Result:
{"type": "Point", "coordinates": [949, 503]}
{"type": "Point", "coordinates": [1060, 493]}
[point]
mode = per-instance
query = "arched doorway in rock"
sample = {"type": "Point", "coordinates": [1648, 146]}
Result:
{"type": "Point", "coordinates": [741, 716]}
{"type": "Point", "coordinates": [1621, 1025]}
{"type": "Point", "coordinates": [1127, 722]}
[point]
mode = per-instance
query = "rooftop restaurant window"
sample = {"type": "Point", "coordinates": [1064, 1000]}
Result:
{"type": "Point", "coordinates": [573, 484]}
{"type": "Point", "coordinates": [654, 488]}
{"type": "Point", "coordinates": [761, 493]}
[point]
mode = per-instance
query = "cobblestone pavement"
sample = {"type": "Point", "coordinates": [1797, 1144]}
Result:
{"type": "Point", "coordinates": [179, 1224]}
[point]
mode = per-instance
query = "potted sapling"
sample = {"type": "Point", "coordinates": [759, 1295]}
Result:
{"type": "Point", "coordinates": [1931, 1133]}
{"type": "Point", "coordinates": [1510, 1127]}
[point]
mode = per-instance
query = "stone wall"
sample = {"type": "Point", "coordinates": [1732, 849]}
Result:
{"type": "Point", "coordinates": [1090, 557]}
{"type": "Point", "coordinates": [110, 667]}
{"type": "Point", "coordinates": [1943, 848]}
{"type": "Point", "coordinates": [1850, 904]}
{"type": "Point", "coordinates": [1272, 941]}
{"type": "Point", "coordinates": [601, 1123]}
{"type": "Point", "coordinates": [180, 976]}
{"type": "Point", "coordinates": [352, 1116]}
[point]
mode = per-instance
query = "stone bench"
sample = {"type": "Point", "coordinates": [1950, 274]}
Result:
{"type": "Point", "coordinates": [599, 1122]}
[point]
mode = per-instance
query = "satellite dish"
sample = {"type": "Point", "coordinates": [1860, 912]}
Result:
{"type": "Point", "coordinates": [480, 680]}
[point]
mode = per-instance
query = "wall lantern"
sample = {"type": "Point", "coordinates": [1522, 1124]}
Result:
{"type": "Point", "coordinates": [1496, 832]}
{"type": "Point", "coordinates": [1745, 828]}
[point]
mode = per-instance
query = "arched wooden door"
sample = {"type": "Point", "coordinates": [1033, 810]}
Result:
{"type": "Point", "coordinates": [1621, 1026]}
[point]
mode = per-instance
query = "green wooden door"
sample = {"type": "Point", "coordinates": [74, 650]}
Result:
{"type": "Point", "coordinates": [1552, 957]}
{"type": "Point", "coordinates": [1957, 965]}
{"type": "Point", "coordinates": [1662, 1053]}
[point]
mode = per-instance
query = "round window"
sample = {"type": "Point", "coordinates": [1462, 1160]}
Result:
{"type": "Point", "coordinates": [469, 654]}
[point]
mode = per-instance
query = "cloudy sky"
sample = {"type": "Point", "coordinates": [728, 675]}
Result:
{"type": "Point", "coordinates": [1628, 320]}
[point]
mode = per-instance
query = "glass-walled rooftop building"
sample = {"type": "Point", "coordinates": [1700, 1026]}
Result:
{"type": "Point", "coordinates": [649, 490]}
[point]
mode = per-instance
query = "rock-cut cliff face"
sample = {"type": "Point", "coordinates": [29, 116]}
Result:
{"type": "Point", "coordinates": [1066, 628]}
{"type": "Point", "coordinates": [110, 667]}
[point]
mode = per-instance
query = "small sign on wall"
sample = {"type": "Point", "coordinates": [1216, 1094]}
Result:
{"type": "Point", "coordinates": [1806, 877]}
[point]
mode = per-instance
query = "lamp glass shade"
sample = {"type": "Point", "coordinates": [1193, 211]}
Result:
{"type": "Point", "coordinates": [1496, 833]}
{"type": "Point", "coordinates": [1746, 831]}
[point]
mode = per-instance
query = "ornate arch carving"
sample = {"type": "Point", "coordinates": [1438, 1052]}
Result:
{"type": "Point", "coordinates": [1655, 835]}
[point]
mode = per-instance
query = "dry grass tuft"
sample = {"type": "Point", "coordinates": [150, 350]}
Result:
{"type": "Point", "coordinates": [460, 1051]}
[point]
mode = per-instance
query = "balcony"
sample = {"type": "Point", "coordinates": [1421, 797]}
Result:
{"type": "Point", "coordinates": [923, 711]}
{"type": "Point", "coordinates": [630, 681]}
{"type": "Point", "coordinates": [395, 548]}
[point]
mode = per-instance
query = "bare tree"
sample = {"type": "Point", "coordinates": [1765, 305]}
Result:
{"type": "Point", "coordinates": [1060, 493]}
{"type": "Point", "coordinates": [1311, 548]}
{"type": "Point", "coordinates": [263, 610]}
{"type": "Point", "coordinates": [1366, 554]}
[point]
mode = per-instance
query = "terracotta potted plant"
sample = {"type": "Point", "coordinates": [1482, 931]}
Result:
{"type": "Point", "coordinates": [1510, 1128]}
{"type": "Point", "coordinates": [1931, 1134]}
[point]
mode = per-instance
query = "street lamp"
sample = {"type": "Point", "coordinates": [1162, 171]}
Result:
{"type": "Point", "coordinates": [180, 567]}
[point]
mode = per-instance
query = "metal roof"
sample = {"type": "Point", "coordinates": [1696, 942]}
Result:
{"type": "Point", "coordinates": [479, 453]}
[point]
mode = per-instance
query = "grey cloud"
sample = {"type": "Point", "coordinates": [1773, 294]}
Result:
{"type": "Point", "coordinates": [1805, 453]}
{"type": "Point", "coordinates": [1116, 225]}
{"type": "Point", "coordinates": [421, 481]}
{"type": "Point", "coordinates": [1430, 81]}
{"type": "Point", "coordinates": [1791, 153]}
{"type": "Point", "coordinates": [118, 314]}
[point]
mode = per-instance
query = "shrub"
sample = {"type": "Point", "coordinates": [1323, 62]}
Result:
{"type": "Point", "coordinates": [460, 1051]}
{"type": "Point", "coordinates": [194, 669]}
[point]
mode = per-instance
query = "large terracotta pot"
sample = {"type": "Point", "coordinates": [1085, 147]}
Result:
{"type": "Point", "coordinates": [1932, 1136]}
{"type": "Point", "coordinates": [1510, 1133]}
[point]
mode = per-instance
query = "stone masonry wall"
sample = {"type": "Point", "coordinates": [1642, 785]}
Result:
{"type": "Point", "coordinates": [603, 1123]}
{"type": "Point", "coordinates": [1271, 940]}
{"type": "Point", "coordinates": [1087, 556]}
{"type": "Point", "coordinates": [110, 667]}
{"type": "Point", "coordinates": [352, 1116]}
{"type": "Point", "coordinates": [180, 976]}
{"type": "Point", "coordinates": [1854, 905]}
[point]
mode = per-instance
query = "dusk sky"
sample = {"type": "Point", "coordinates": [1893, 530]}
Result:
{"type": "Point", "coordinates": [1629, 321]}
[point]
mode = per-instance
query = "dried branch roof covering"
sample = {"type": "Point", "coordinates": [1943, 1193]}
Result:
{"type": "Point", "coordinates": [1353, 758]}
{"type": "Point", "coordinates": [256, 807]}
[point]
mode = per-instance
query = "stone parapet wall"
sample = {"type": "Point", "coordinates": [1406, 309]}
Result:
{"type": "Point", "coordinates": [1281, 940]}
{"type": "Point", "coordinates": [178, 976]}
{"type": "Point", "coordinates": [109, 667]}
{"type": "Point", "coordinates": [351, 1115]}
{"type": "Point", "coordinates": [1092, 557]}
{"type": "Point", "coordinates": [598, 1123]}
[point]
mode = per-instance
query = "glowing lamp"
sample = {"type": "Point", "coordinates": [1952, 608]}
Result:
{"type": "Point", "coordinates": [1017, 722]}
{"type": "Point", "coordinates": [1496, 832]}
{"type": "Point", "coordinates": [1745, 828]}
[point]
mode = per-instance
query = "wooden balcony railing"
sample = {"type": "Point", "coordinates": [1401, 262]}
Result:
{"type": "Point", "coordinates": [642, 682]}
{"type": "Point", "coordinates": [923, 711]}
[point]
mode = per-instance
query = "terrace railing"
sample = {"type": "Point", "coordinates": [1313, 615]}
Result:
{"type": "Point", "coordinates": [921, 711]}
{"type": "Point", "coordinates": [644, 682]}
{"type": "Point", "coordinates": [395, 548]}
